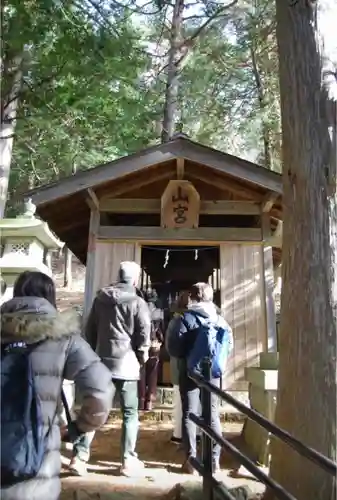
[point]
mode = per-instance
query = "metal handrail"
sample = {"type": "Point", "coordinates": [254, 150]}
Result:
{"type": "Point", "coordinates": [208, 435]}
{"type": "Point", "coordinates": [322, 461]}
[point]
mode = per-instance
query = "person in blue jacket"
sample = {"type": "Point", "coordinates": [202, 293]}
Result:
{"type": "Point", "coordinates": [179, 345]}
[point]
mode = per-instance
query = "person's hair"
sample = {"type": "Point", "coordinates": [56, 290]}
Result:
{"type": "Point", "coordinates": [183, 299]}
{"type": "Point", "coordinates": [35, 284]}
{"type": "Point", "coordinates": [129, 272]}
{"type": "Point", "coordinates": [201, 292]}
{"type": "Point", "coordinates": [151, 296]}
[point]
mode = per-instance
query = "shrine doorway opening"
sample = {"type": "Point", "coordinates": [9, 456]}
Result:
{"type": "Point", "coordinates": [171, 269]}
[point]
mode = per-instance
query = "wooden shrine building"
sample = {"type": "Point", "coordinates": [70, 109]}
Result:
{"type": "Point", "coordinates": [185, 213]}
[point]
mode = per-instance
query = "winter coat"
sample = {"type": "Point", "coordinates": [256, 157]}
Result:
{"type": "Point", "coordinates": [62, 354]}
{"type": "Point", "coordinates": [157, 322]}
{"type": "Point", "coordinates": [118, 329]}
{"type": "Point", "coordinates": [184, 330]}
{"type": "Point", "coordinates": [174, 362]}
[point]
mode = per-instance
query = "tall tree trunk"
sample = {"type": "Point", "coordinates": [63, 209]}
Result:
{"type": "Point", "coordinates": [9, 107]}
{"type": "Point", "coordinates": [263, 105]}
{"type": "Point", "coordinates": [306, 405]}
{"type": "Point", "coordinates": [173, 66]}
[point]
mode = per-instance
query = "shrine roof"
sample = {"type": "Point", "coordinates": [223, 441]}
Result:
{"type": "Point", "coordinates": [65, 204]}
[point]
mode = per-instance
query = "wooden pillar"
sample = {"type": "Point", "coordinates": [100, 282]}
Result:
{"type": "Point", "coordinates": [240, 285]}
{"type": "Point", "coordinates": [267, 299]}
{"type": "Point", "coordinates": [90, 267]}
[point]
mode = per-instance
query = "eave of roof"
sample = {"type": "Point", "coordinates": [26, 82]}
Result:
{"type": "Point", "coordinates": [179, 147]}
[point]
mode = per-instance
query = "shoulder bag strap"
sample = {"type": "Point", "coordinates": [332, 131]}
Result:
{"type": "Point", "coordinates": [66, 407]}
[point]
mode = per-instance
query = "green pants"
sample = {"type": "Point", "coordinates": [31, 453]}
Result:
{"type": "Point", "coordinates": [127, 391]}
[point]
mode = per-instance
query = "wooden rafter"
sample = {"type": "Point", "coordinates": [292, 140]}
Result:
{"type": "Point", "coordinates": [198, 236]}
{"type": "Point", "coordinates": [268, 202]}
{"type": "Point", "coordinates": [180, 162]}
{"type": "Point", "coordinates": [216, 207]}
{"type": "Point", "coordinates": [225, 185]}
{"type": "Point", "coordinates": [92, 199]}
{"type": "Point", "coordinates": [131, 184]}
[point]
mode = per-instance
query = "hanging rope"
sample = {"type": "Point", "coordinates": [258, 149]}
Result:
{"type": "Point", "coordinates": [195, 250]}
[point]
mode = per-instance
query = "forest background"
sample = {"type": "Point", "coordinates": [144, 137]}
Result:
{"type": "Point", "coordinates": [85, 82]}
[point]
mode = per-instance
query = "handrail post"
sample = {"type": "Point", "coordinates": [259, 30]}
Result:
{"type": "Point", "coordinates": [207, 446]}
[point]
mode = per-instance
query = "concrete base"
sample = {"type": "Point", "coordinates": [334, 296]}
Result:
{"type": "Point", "coordinates": [262, 395]}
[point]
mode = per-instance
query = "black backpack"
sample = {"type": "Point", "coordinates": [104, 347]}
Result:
{"type": "Point", "coordinates": [23, 437]}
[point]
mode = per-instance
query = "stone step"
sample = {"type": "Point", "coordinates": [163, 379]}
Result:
{"type": "Point", "coordinates": [165, 398]}
{"type": "Point", "coordinates": [163, 407]}
{"type": "Point", "coordinates": [165, 414]}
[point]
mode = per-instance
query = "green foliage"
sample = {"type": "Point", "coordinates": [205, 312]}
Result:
{"type": "Point", "coordinates": [81, 101]}
{"type": "Point", "coordinates": [94, 77]}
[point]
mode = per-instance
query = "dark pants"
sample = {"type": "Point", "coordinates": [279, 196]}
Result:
{"type": "Point", "coordinates": [147, 385]}
{"type": "Point", "coordinates": [190, 397]}
{"type": "Point", "coordinates": [127, 392]}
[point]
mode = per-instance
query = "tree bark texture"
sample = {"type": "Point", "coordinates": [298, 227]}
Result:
{"type": "Point", "coordinates": [267, 161]}
{"type": "Point", "coordinates": [307, 364]}
{"type": "Point", "coordinates": [9, 105]}
{"type": "Point", "coordinates": [173, 67]}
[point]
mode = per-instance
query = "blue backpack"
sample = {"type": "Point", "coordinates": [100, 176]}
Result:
{"type": "Point", "coordinates": [212, 342]}
{"type": "Point", "coordinates": [23, 436]}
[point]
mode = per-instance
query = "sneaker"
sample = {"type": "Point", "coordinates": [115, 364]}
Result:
{"type": "Point", "coordinates": [132, 467]}
{"type": "Point", "coordinates": [78, 467]}
{"type": "Point", "coordinates": [176, 440]}
{"type": "Point", "coordinates": [187, 468]}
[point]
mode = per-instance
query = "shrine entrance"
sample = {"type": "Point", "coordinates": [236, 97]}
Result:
{"type": "Point", "coordinates": [171, 269]}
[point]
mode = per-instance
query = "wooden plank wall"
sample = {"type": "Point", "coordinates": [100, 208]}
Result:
{"type": "Point", "coordinates": [242, 303]}
{"type": "Point", "coordinates": [108, 256]}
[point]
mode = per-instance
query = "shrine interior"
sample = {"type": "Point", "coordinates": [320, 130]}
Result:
{"type": "Point", "coordinates": [170, 269]}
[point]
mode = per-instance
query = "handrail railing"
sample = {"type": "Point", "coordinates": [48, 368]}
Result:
{"type": "Point", "coordinates": [204, 423]}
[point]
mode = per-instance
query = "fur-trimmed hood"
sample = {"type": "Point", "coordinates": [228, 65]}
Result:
{"type": "Point", "coordinates": [32, 319]}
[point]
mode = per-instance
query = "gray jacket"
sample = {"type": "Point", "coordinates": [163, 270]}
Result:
{"type": "Point", "coordinates": [118, 329]}
{"type": "Point", "coordinates": [63, 354]}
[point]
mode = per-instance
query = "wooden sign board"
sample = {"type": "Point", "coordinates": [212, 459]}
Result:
{"type": "Point", "coordinates": [180, 205]}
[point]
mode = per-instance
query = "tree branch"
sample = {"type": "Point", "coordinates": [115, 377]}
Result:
{"type": "Point", "coordinates": [216, 14]}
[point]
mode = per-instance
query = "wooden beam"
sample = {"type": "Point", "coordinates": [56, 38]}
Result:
{"type": "Point", "coordinates": [224, 185]}
{"type": "Point", "coordinates": [265, 226]}
{"type": "Point", "coordinates": [198, 236]}
{"type": "Point", "coordinates": [215, 207]}
{"type": "Point", "coordinates": [90, 265]}
{"type": "Point", "coordinates": [92, 199]}
{"type": "Point", "coordinates": [131, 185]}
{"type": "Point", "coordinates": [267, 271]}
{"type": "Point", "coordinates": [180, 168]}
{"type": "Point", "coordinates": [278, 233]}
{"type": "Point", "coordinates": [268, 202]}
{"type": "Point", "coordinates": [275, 239]}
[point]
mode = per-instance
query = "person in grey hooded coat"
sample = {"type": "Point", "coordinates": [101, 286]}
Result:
{"type": "Point", "coordinates": [118, 329]}
{"type": "Point", "coordinates": [31, 317]}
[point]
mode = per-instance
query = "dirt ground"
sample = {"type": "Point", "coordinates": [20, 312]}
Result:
{"type": "Point", "coordinates": [162, 460]}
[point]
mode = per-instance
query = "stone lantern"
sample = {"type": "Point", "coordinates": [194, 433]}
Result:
{"type": "Point", "coordinates": [26, 245]}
